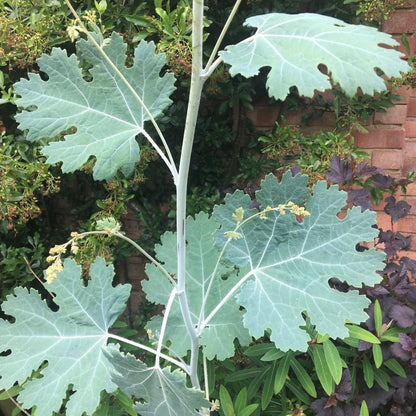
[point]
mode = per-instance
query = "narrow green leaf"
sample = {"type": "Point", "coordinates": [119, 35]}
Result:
{"type": "Point", "coordinates": [352, 342]}
{"type": "Point", "coordinates": [296, 389]}
{"type": "Point", "coordinates": [377, 355]}
{"type": "Point", "coordinates": [378, 317]}
{"type": "Point", "coordinates": [322, 370]}
{"type": "Point", "coordinates": [303, 377]}
{"type": "Point", "coordinates": [240, 401]}
{"type": "Point", "coordinates": [333, 360]}
{"type": "Point", "coordinates": [243, 375]}
{"type": "Point", "coordinates": [392, 334]}
{"type": "Point", "coordinates": [273, 355]}
{"type": "Point", "coordinates": [393, 365]}
{"type": "Point", "coordinates": [211, 376]}
{"type": "Point", "coordinates": [225, 402]}
{"type": "Point", "coordinates": [267, 393]}
{"type": "Point", "coordinates": [382, 378]}
{"type": "Point", "coordinates": [255, 384]}
{"type": "Point", "coordinates": [247, 411]}
{"type": "Point", "coordinates": [361, 333]}
{"type": "Point", "coordinates": [259, 349]}
{"type": "Point", "coordinates": [364, 409]}
{"type": "Point", "coordinates": [368, 372]}
{"type": "Point", "coordinates": [281, 372]}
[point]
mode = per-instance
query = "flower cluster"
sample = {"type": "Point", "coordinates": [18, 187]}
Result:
{"type": "Point", "coordinates": [55, 257]}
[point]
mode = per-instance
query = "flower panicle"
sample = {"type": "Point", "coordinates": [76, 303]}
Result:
{"type": "Point", "coordinates": [55, 257]}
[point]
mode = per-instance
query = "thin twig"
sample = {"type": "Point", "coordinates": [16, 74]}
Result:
{"type": "Point", "coordinates": [17, 404]}
{"type": "Point", "coordinates": [37, 277]}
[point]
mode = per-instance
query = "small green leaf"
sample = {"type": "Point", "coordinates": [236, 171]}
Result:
{"type": "Point", "coordinates": [303, 377]}
{"type": "Point", "coordinates": [364, 409]}
{"type": "Point", "coordinates": [393, 365]}
{"type": "Point", "coordinates": [382, 378]}
{"type": "Point", "coordinates": [225, 402]}
{"type": "Point", "coordinates": [322, 370]}
{"type": "Point", "coordinates": [247, 411]}
{"type": "Point", "coordinates": [378, 317]}
{"type": "Point", "coordinates": [259, 349]}
{"type": "Point", "coordinates": [368, 372]}
{"type": "Point", "coordinates": [240, 401]}
{"type": "Point", "coordinates": [281, 372]}
{"type": "Point", "coordinates": [377, 355]}
{"type": "Point", "coordinates": [267, 393]}
{"type": "Point", "coordinates": [333, 360]}
{"type": "Point", "coordinates": [273, 355]}
{"type": "Point", "coordinates": [361, 333]}
{"type": "Point", "coordinates": [298, 391]}
{"type": "Point", "coordinates": [392, 334]}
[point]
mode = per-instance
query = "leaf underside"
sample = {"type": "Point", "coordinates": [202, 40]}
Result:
{"type": "Point", "coordinates": [288, 262]}
{"type": "Point", "coordinates": [104, 111]}
{"type": "Point", "coordinates": [164, 391]}
{"type": "Point", "coordinates": [295, 45]}
{"type": "Point", "coordinates": [70, 340]}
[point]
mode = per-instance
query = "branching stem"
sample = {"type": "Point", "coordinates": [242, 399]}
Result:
{"type": "Point", "coordinates": [180, 364]}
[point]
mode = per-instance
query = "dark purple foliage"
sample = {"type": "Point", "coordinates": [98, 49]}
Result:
{"type": "Point", "coordinates": [340, 171]}
{"type": "Point", "coordinates": [361, 198]}
{"type": "Point", "coordinates": [382, 181]}
{"type": "Point", "coordinates": [395, 209]}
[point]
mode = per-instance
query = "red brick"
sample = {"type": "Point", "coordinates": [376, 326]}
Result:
{"type": "Point", "coordinates": [263, 115]}
{"type": "Point", "coordinates": [394, 115]}
{"type": "Point", "coordinates": [412, 202]}
{"type": "Point", "coordinates": [410, 127]}
{"type": "Point", "coordinates": [411, 40]}
{"type": "Point", "coordinates": [410, 254]}
{"type": "Point", "coordinates": [409, 149]}
{"type": "Point", "coordinates": [401, 21]}
{"type": "Point", "coordinates": [409, 165]}
{"type": "Point", "coordinates": [387, 159]}
{"type": "Point", "coordinates": [406, 224]}
{"type": "Point", "coordinates": [405, 92]}
{"type": "Point", "coordinates": [411, 108]}
{"type": "Point", "coordinates": [380, 139]}
{"type": "Point", "coordinates": [411, 189]}
{"type": "Point", "coordinates": [383, 221]}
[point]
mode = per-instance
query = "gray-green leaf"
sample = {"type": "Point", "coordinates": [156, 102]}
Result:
{"type": "Point", "coordinates": [104, 111]}
{"type": "Point", "coordinates": [288, 262]}
{"type": "Point", "coordinates": [295, 45]}
{"type": "Point", "coordinates": [218, 338]}
{"type": "Point", "coordinates": [164, 391]}
{"type": "Point", "coordinates": [70, 340]}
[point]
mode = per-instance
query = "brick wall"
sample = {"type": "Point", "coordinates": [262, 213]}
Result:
{"type": "Point", "coordinates": [391, 137]}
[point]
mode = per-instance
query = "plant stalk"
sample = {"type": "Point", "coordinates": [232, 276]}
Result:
{"type": "Point", "coordinates": [197, 83]}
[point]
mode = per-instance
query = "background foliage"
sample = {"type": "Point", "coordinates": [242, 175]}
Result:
{"type": "Point", "coordinates": [269, 381]}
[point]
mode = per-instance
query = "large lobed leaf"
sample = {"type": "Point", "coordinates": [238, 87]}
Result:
{"type": "Point", "coordinates": [295, 45]}
{"type": "Point", "coordinates": [70, 340]}
{"type": "Point", "coordinates": [164, 391]}
{"type": "Point", "coordinates": [218, 338]}
{"type": "Point", "coordinates": [288, 262]}
{"type": "Point", "coordinates": [104, 111]}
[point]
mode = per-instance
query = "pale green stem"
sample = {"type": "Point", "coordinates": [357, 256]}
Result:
{"type": "Point", "coordinates": [148, 256]}
{"type": "Point", "coordinates": [151, 350]}
{"type": "Point", "coordinates": [169, 160]}
{"type": "Point", "coordinates": [224, 300]}
{"type": "Point", "coordinates": [130, 241]}
{"type": "Point", "coordinates": [195, 92]}
{"type": "Point", "coordinates": [222, 34]}
{"type": "Point", "coordinates": [169, 304]}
